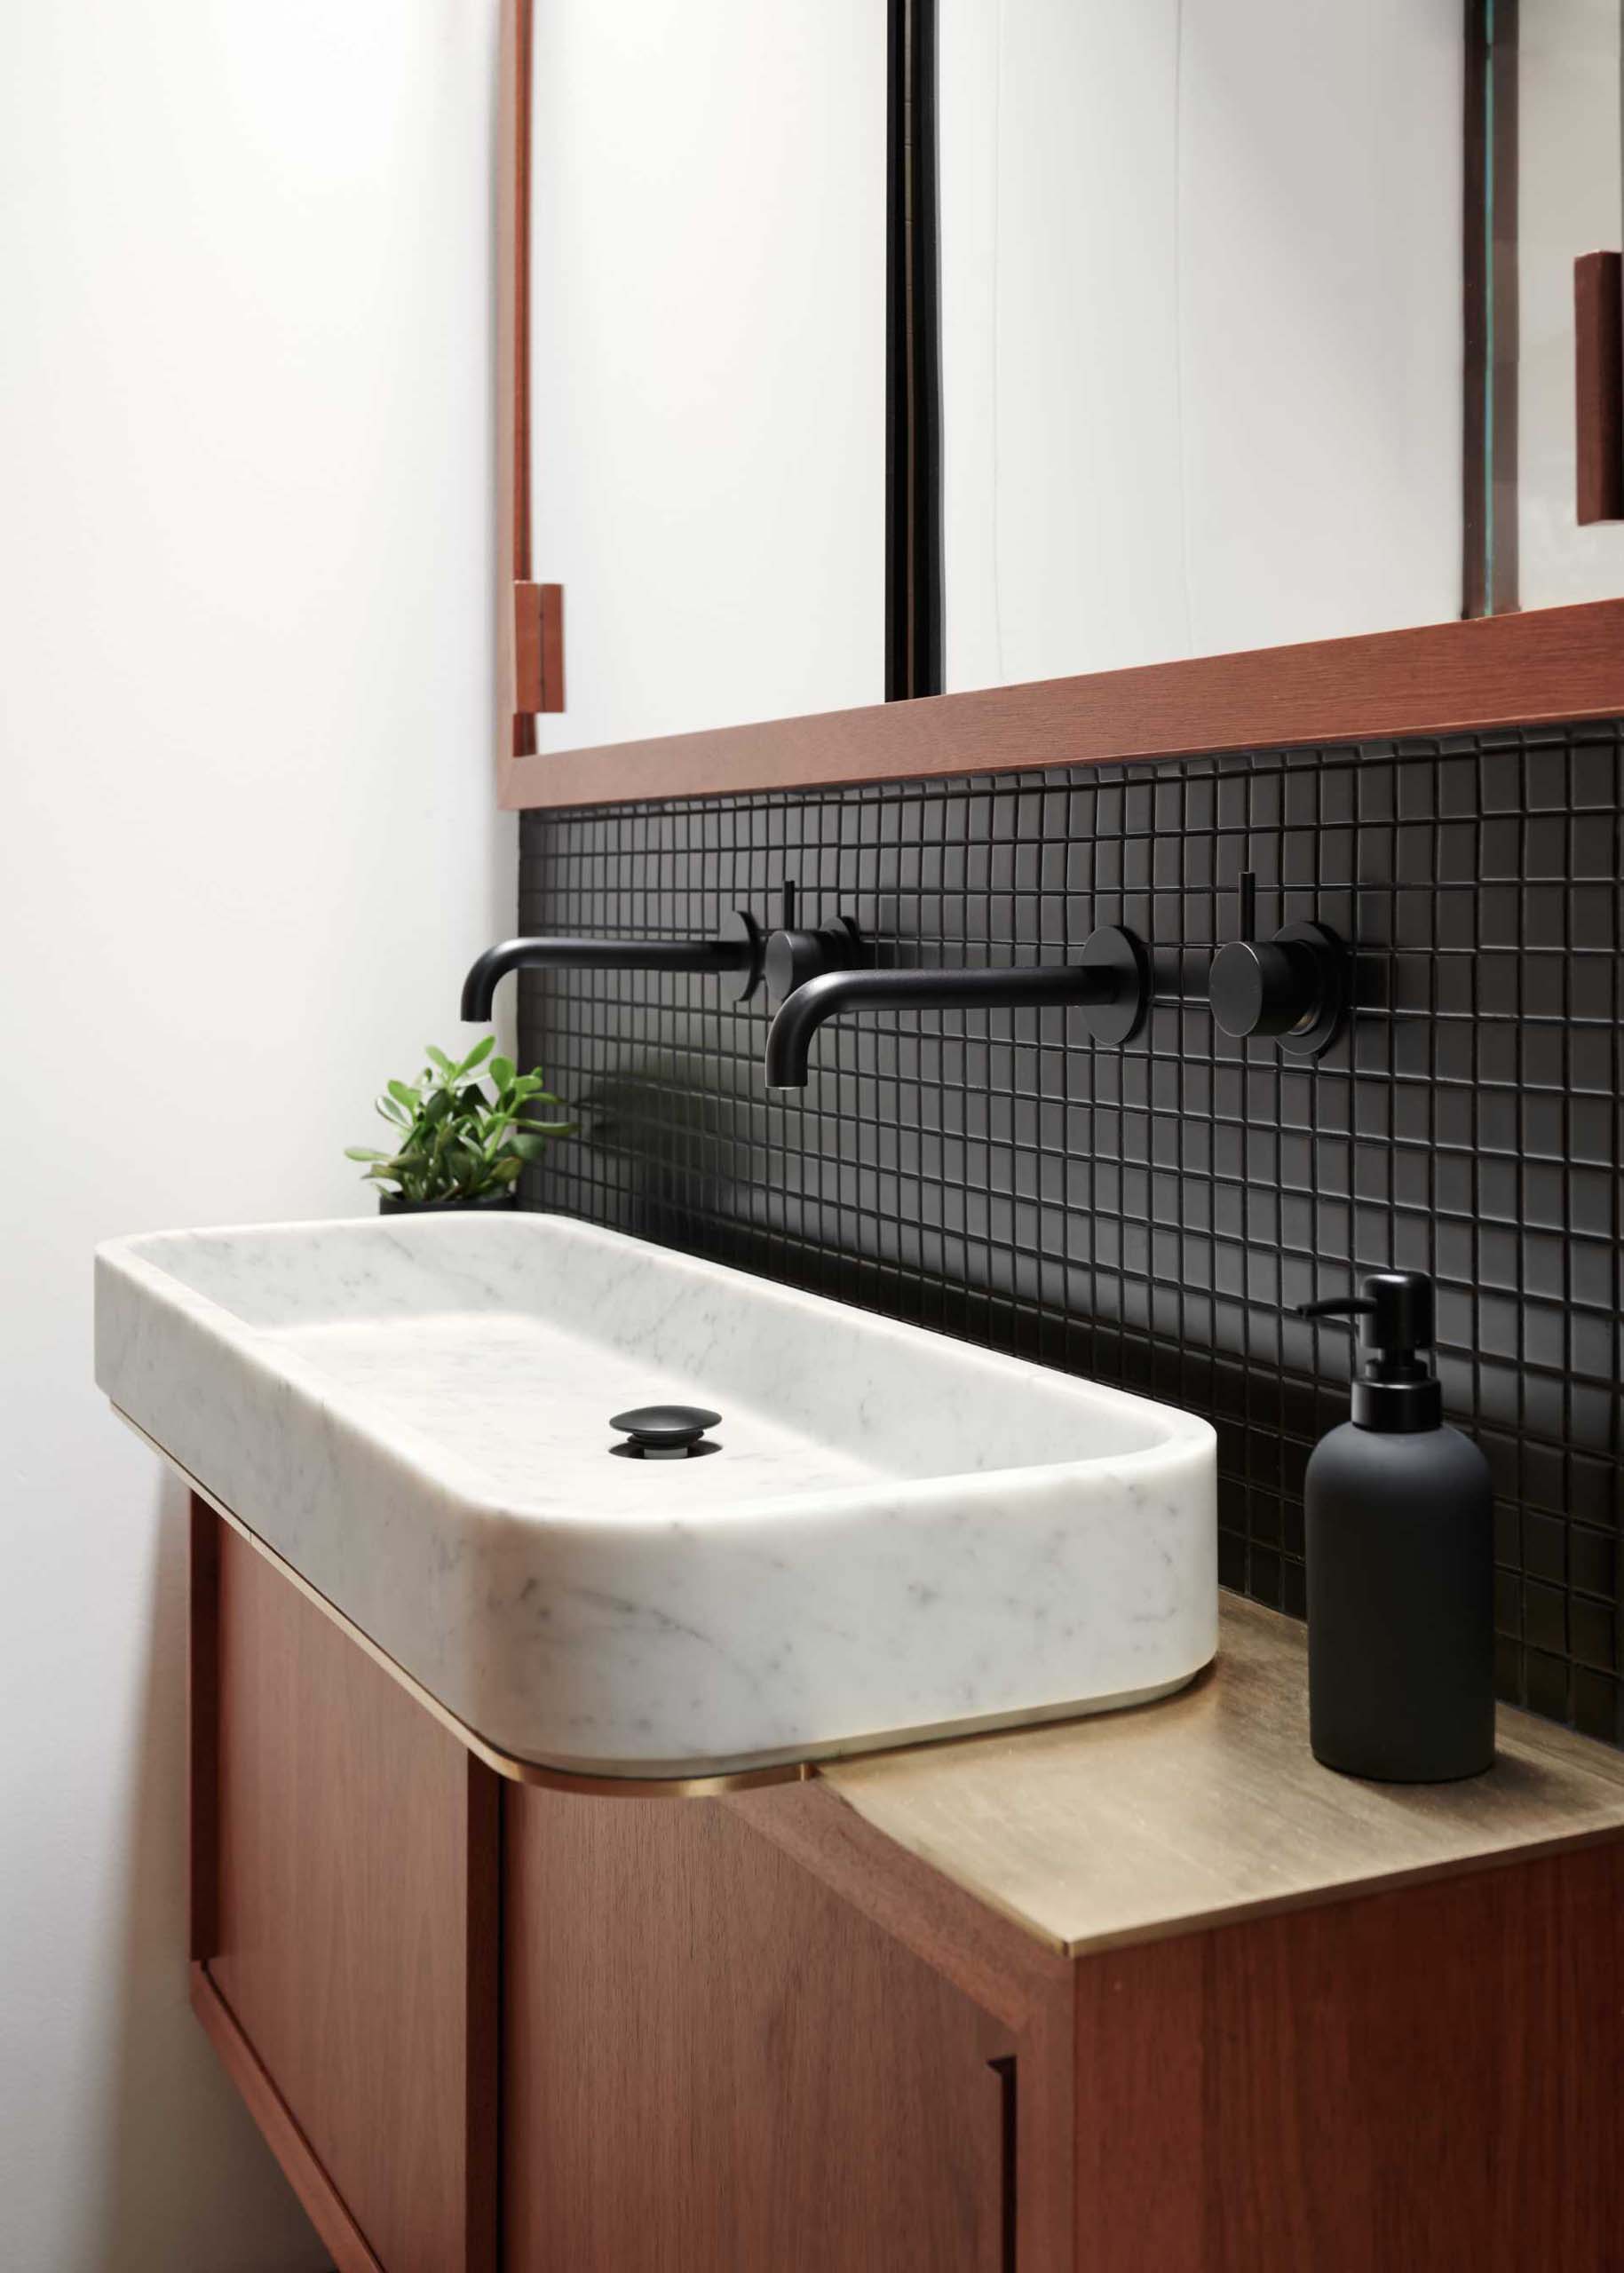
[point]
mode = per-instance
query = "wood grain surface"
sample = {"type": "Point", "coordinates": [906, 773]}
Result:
{"type": "Point", "coordinates": [1429, 2080]}
{"type": "Point", "coordinates": [323, 2205]}
{"type": "Point", "coordinates": [763, 2033]}
{"type": "Point", "coordinates": [1546, 664]}
{"type": "Point", "coordinates": [713, 2064]}
{"type": "Point", "coordinates": [538, 646]}
{"type": "Point", "coordinates": [1598, 375]}
{"type": "Point", "coordinates": [1210, 1806]}
{"type": "Point", "coordinates": [203, 1732]}
{"type": "Point", "coordinates": [1001, 1967]}
{"type": "Point", "coordinates": [355, 1941]}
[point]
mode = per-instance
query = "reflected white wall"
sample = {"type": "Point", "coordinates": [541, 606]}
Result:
{"type": "Point", "coordinates": [708, 358]}
{"type": "Point", "coordinates": [1570, 201]}
{"type": "Point", "coordinates": [1201, 336]}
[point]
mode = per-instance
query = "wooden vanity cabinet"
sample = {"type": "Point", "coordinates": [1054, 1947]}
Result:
{"type": "Point", "coordinates": [486, 2025]}
{"type": "Point", "coordinates": [1426, 2080]}
{"type": "Point", "coordinates": [712, 2059]}
{"type": "Point", "coordinates": [345, 1921]}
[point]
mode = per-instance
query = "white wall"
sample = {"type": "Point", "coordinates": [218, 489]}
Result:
{"type": "Point", "coordinates": [1202, 340]}
{"type": "Point", "coordinates": [247, 845]}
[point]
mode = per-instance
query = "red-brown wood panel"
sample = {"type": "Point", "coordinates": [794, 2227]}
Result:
{"type": "Point", "coordinates": [353, 1936]}
{"type": "Point", "coordinates": [1598, 386]}
{"type": "Point", "coordinates": [999, 1966]}
{"type": "Point", "coordinates": [712, 2064]}
{"type": "Point", "coordinates": [1549, 663]}
{"type": "Point", "coordinates": [1429, 2080]}
{"type": "Point", "coordinates": [324, 2204]}
{"type": "Point", "coordinates": [538, 646]}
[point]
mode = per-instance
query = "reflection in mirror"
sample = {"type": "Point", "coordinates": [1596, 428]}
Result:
{"type": "Point", "coordinates": [708, 222]}
{"type": "Point", "coordinates": [1201, 332]}
{"type": "Point", "coordinates": [1568, 195]}
{"type": "Point", "coordinates": [1213, 325]}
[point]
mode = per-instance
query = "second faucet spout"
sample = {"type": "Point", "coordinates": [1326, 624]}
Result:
{"type": "Point", "coordinates": [1111, 977]}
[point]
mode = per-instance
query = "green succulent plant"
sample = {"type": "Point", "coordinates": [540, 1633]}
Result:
{"type": "Point", "coordinates": [455, 1138]}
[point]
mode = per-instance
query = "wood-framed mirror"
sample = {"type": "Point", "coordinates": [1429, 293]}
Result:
{"type": "Point", "coordinates": [1129, 378]}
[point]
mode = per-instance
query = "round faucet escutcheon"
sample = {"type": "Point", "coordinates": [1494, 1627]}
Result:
{"type": "Point", "coordinates": [1292, 988]}
{"type": "Point", "coordinates": [665, 1431]}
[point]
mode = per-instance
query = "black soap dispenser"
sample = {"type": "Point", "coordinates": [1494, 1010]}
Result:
{"type": "Point", "coordinates": [1400, 1546]}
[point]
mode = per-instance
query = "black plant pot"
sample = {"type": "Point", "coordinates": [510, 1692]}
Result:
{"type": "Point", "coordinates": [391, 1204]}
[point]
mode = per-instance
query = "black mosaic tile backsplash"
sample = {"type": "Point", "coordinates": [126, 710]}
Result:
{"type": "Point", "coordinates": [1148, 1216]}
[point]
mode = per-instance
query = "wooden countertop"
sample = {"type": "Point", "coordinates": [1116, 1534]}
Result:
{"type": "Point", "coordinates": [1134, 1826]}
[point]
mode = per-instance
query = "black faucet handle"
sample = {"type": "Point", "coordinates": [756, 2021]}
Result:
{"type": "Point", "coordinates": [1264, 986]}
{"type": "Point", "coordinates": [795, 953]}
{"type": "Point", "coordinates": [1292, 988]}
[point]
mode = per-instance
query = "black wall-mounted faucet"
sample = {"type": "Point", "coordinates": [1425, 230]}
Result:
{"type": "Point", "coordinates": [741, 950]}
{"type": "Point", "coordinates": [797, 953]}
{"type": "Point", "coordinates": [1110, 979]}
{"type": "Point", "coordinates": [736, 952]}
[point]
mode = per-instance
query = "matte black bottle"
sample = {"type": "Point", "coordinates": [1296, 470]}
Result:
{"type": "Point", "coordinates": [1401, 1545]}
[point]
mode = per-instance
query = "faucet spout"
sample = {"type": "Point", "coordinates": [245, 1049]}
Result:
{"type": "Point", "coordinates": [736, 949]}
{"type": "Point", "coordinates": [1111, 977]}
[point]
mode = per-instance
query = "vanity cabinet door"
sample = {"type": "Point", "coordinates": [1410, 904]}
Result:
{"type": "Point", "coordinates": [712, 2064]}
{"type": "Point", "coordinates": [345, 1892]}
{"type": "Point", "coordinates": [1430, 2077]}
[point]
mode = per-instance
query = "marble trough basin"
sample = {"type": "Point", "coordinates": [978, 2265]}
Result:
{"type": "Point", "coordinates": [900, 1536]}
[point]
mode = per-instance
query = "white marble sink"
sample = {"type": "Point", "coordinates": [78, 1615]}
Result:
{"type": "Point", "coordinates": [902, 1535]}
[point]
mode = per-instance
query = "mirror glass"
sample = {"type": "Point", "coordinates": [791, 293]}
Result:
{"type": "Point", "coordinates": [1201, 333]}
{"type": "Point", "coordinates": [1227, 324]}
{"type": "Point", "coordinates": [707, 220]}
{"type": "Point", "coordinates": [1568, 199]}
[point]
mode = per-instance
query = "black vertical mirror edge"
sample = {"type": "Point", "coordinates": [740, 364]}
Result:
{"type": "Point", "coordinates": [914, 564]}
{"type": "Point", "coordinates": [1489, 311]}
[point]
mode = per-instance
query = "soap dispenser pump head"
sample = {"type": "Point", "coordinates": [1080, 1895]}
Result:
{"type": "Point", "coordinates": [1396, 1391]}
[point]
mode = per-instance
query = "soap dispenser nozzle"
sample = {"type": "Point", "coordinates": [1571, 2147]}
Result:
{"type": "Point", "coordinates": [1396, 1391]}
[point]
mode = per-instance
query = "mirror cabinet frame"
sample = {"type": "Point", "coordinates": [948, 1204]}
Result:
{"type": "Point", "coordinates": [1482, 670]}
